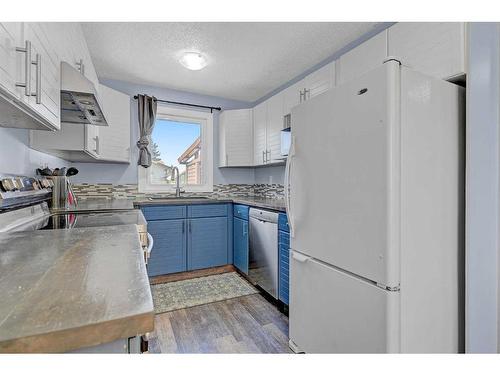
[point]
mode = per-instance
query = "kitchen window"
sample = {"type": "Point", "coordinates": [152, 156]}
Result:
{"type": "Point", "coordinates": [181, 138]}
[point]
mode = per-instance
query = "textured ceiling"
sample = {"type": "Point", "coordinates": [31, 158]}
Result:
{"type": "Point", "coordinates": [246, 60]}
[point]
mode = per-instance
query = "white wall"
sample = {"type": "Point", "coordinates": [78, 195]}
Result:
{"type": "Point", "coordinates": [17, 158]}
{"type": "Point", "coordinates": [482, 219]}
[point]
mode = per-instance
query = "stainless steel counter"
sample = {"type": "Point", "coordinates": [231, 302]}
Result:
{"type": "Point", "coordinates": [61, 290]}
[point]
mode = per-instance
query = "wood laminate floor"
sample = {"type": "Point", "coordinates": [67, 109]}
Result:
{"type": "Point", "coordinates": [248, 324]}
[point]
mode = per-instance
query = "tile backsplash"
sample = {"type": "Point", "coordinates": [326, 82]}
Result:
{"type": "Point", "coordinates": [129, 191]}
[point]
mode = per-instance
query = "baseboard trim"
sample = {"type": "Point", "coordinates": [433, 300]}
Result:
{"type": "Point", "coordinates": [191, 274]}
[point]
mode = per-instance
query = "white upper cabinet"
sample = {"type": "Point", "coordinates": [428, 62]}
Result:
{"type": "Point", "coordinates": [29, 76]}
{"type": "Point", "coordinates": [433, 48]}
{"type": "Point", "coordinates": [11, 61]}
{"type": "Point", "coordinates": [313, 84]}
{"type": "Point", "coordinates": [73, 142]}
{"type": "Point", "coordinates": [46, 74]}
{"type": "Point", "coordinates": [363, 58]}
{"type": "Point", "coordinates": [319, 81]}
{"type": "Point", "coordinates": [274, 127]}
{"type": "Point", "coordinates": [267, 126]}
{"type": "Point", "coordinates": [113, 141]}
{"type": "Point", "coordinates": [236, 138]}
{"type": "Point", "coordinates": [291, 96]}
{"type": "Point", "coordinates": [77, 142]}
{"type": "Point", "coordinates": [90, 143]}
{"type": "Point", "coordinates": [259, 133]}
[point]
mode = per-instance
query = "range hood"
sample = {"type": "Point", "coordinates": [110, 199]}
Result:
{"type": "Point", "coordinates": [79, 98]}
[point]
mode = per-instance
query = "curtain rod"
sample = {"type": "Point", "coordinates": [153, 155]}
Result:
{"type": "Point", "coordinates": [188, 104]}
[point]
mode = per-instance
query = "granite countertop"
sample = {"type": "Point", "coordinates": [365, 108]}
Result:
{"type": "Point", "coordinates": [66, 289]}
{"type": "Point", "coordinates": [178, 201]}
{"type": "Point", "coordinates": [98, 204]}
{"type": "Point", "coordinates": [273, 204]}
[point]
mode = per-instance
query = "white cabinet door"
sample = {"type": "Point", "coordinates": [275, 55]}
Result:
{"type": "Point", "coordinates": [274, 127]}
{"type": "Point", "coordinates": [45, 75]}
{"type": "Point", "coordinates": [11, 62]}
{"type": "Point", "coordinates": [114, 139]}
{"type": "Point", "coordinates": [319, 81]}
{"type": "Point", "coordinates": [236, 138]}
{"type": "Point", "coordinates": [363, 58]}
{"type": "Point", "coordinates": [92, 142]}
{"type": "Point", "coordinates": [433, 48]}
{"type": "Point", "coordinates": [291, 97]}
{"type": "Point", "coordinates": [259, 133]}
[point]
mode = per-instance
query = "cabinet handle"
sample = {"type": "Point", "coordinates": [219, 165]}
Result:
{"type": "Point", "coordinates": [38, 89]}
{"type": "Point", "coordinates": [96, 139]}
{"type": "Point", "coordinates": [27, 68]}
{"type": "Point", "coordinates": [268, 152]}
{"type": "Point", "coordinates": [189, 226]}
{"type": "Point", "coordinates": [307, 94]}
{"type": "Point", "coordinates": [299, 257]}
{"type": "Point", "coordinates": [183, 226]}
{"type": "Point", "coordinates": [245, 229]}
{"type": "Point", "coordinates": [81, 66]}
{"type": "Point", "coordinates": [263, 157]}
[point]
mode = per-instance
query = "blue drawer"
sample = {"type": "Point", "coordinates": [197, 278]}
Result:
{"type": "Point", "coordinates": [208, 210]}
{"type": "Point", "coordinates": [283, 223]}
{"type": "Point", "coordinates": [241, 211]}
{"type": "Point", "coordinates": [164, 212]}
{"type": "Point", "coordinates": [283, 238]}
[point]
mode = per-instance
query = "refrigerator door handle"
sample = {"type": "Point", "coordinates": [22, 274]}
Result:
{"type": "Point", "coordinates": [300, 257]}
{"type": "Point", "coordinates": [288, 168]}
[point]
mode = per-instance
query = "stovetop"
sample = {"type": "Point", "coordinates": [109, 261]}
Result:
{"type": "Point", "coordinates": [100, 219]}
{"type": "Point", "coordinates": [38, 217]}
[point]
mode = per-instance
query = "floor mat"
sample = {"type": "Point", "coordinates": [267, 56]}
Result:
{"type": "Point", "coordinates": [193, 292]}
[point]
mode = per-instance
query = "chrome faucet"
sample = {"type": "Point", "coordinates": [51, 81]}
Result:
{"type": "Point", "coordinates": [178, 190]}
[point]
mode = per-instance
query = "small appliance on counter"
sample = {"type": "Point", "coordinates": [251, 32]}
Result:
{"type": "Point", "coordinates": [63, 196]}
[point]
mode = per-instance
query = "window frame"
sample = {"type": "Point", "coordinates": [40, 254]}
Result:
{"type": "Point", "coordinates": [205, 119]}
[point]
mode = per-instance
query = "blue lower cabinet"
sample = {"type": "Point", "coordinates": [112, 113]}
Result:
{"type": "Point", "coordinates": [169, 250]}
{"type": "Point", "coordinates": [240, 245]}
{"type": "Point", "coordinates": [189, 237]}
{"type": "Point", "coordinates": [207, 242]}
{"type": "Point", "coordinates": [284, 262]}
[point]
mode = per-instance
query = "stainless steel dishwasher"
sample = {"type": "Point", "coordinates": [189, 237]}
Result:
{"type": "Point", "coordinates": [263, 257]}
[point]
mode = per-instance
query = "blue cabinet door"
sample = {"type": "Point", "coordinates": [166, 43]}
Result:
{"type": "Point", "coordinates": [208, 242]}
{"type": "Point", "coordinates": [169, 249]}
{"type": "Point", "coordinates": [240, 245]}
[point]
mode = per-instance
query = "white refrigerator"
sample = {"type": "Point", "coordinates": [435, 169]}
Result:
{"type": "Point", "coordinates": [375, 201]}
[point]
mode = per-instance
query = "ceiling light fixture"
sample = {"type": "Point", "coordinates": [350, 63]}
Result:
{"type": "Point", "coordinates": [193, 60]}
